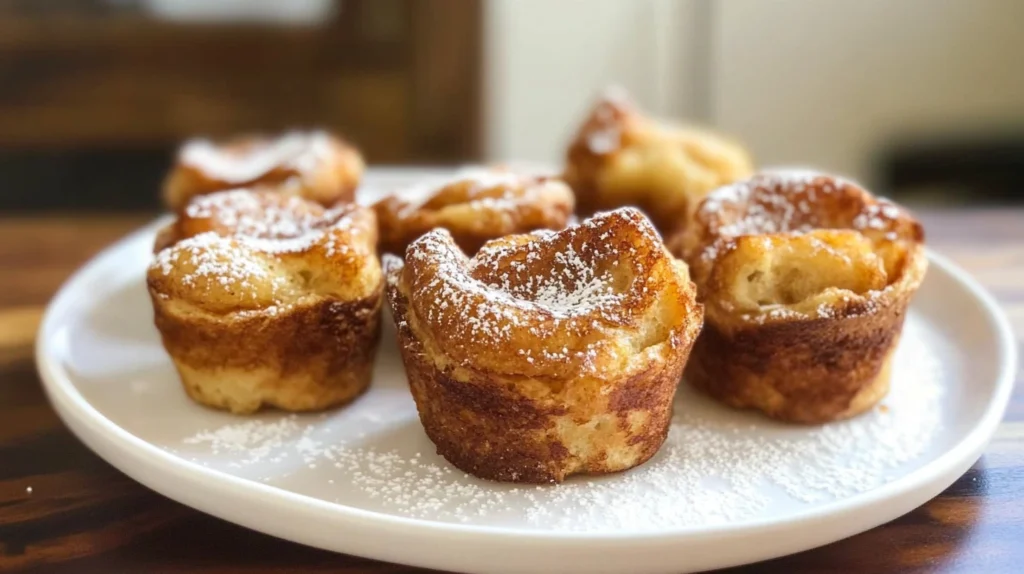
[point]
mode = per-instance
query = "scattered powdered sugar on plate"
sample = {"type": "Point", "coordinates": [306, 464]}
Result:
{"type": "Point", "coordinates": [718, 466]}
{"type": "Point", "coordinates": [254, 441]}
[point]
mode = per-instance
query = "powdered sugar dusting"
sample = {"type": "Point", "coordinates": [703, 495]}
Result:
{"type": "Point", "coordinates": [718, 466]}
{"type": "Point", "coordinates": [604, 141]}
{"type": "Point", "coordinates": [212, 256]}
{"type": "Point", "coordinates": [248, 231]}
{"type": "Point", "coordinates": [273, 223]}
{"type": "Point", "coordinates": [563, 284]}
{"type": "Point", "coordinates": [877, 216]}
{"type": "Point", "coordinates": [248, 213]}
{"type": "Point", "coordinates": [772, 202]}
{"type": "Point", "coordinates": [510, 185]}
{"type": "Point", "coordinates": [301, 152]}
{"type": "Point", "coordinates": [602, 134]}
{"type": "Point", "coordinates": [253, 441]}
{"type": "Point", "coordinates": [793, 202]}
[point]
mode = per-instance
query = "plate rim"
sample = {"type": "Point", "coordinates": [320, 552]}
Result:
{"type": "Point", "coordinates": [89, 425]}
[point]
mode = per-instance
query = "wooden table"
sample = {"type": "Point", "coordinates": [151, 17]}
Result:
{"type": "Point", "coordinates": [84, 516]}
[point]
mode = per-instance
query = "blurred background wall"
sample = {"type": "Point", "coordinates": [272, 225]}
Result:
{"type": "Point", "coordinates": [917, 94]}
{"type": "Point", "coordinates": [841, 84]}
{"type": "Point", "coordinates": [546, 61]}
{"type": "Point", "coordinates": [920, 98]}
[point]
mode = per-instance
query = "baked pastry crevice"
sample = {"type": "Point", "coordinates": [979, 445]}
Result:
{"type": "Point", "coordinates": [546, 354]}
{"type": "Point", "coordinates": [806, 279]}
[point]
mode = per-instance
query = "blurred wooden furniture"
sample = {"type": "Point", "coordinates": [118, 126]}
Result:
{"type": "Point", "coordinates": [82, 516]}
{"type": "Point", "coordinates": [400, 78]}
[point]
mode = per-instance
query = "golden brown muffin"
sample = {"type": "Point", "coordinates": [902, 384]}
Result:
{"type": "Point", "coordinates": [477, 206]}
{"type": "Point", "coordinates": [806, 279]}
{"type": "Point", "coordinates": [264, 299]}
{"type": "Point", "coordinates": [313, 165]}
{"type": "Point", "coordinates": [621, 157]}
{"type": "Point", "coordinates": [247, 212]}
{"type": "Point", "coordinates": [547, 354]}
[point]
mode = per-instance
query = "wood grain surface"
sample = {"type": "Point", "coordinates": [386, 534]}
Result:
{"type": "Point", "coordinates": [64, 510]}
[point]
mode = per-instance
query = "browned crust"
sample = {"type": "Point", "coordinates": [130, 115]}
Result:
{"type": "Point", "coordinates": [817, 359]}
{"type": "Point", "coordinates": [805, 370]}
{"type": "Point", "coordinates": [332, 183]}
{"type": "Point", "coordinates": [540, 203]}
{"type": "Point", "coordinates": [310, 357]}
{"type": "Point", "coordinates": [672, 169]}
{"type": "Point", "coordinates": [484, 425]}
{"type": "Point", "coordinates": [469, 241]}
{"type": "Point", "coordinates": [186, 225]}
{"type": "Point", "coordinates": [772, 197]}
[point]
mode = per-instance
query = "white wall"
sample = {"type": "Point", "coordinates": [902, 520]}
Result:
{"type": "Point", "coordinates": [547, 59]}
{"type": "Point", "coordinates": [821, 82]}
{"type": "Point", "coordinates": [830, 81]}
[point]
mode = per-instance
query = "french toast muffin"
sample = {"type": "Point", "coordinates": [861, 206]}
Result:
{"type": "Point", "coordinates": [314, 165]}
{"type": "Point", "coordinates": [621, 157]}
{"type": "Point", "coordinates": [266, 299]}
{"type": "Point", "coordinates": [475, 206]}
{"type": "Point", "coordinates": [546, 354]}
{"type": "Point", "coordinates": [806, 279]}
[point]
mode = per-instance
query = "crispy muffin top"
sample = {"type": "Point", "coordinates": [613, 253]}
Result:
{"type": "Point", "coordinates": [242, 250]}
{"type": "Point", "coordinates": [620, 157]}
{"type": "Point", "coordinates": [590, 299]}
{"type": "Point", "coordinates": [797, 244]}
{"type": "Point", "coordinates": [480, 204]}
{"type": "Point", "coordinates": [290, 160]}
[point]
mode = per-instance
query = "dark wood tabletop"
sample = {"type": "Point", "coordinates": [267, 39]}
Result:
{"type": "Point", "coordinates": [63, 509]}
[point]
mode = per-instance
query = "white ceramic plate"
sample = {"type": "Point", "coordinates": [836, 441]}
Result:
{"type": "Point", "coordinates": [727, 488]}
